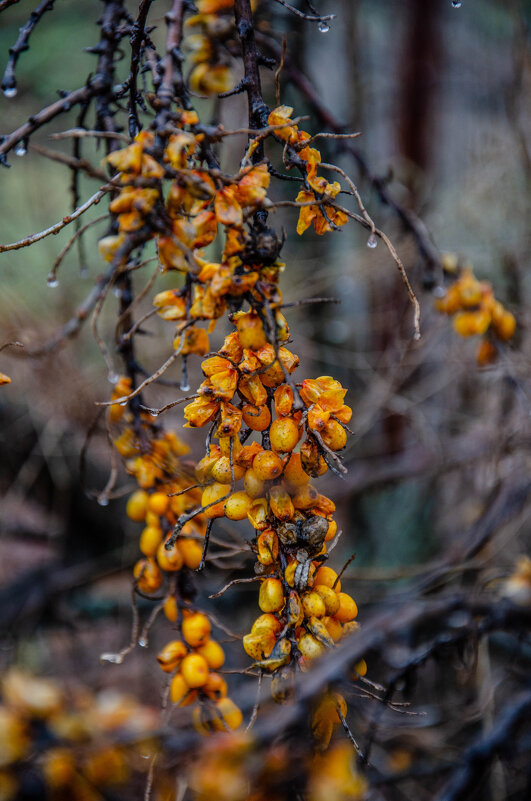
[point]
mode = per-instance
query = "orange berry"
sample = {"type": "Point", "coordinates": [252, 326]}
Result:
{"type": "Point", "coordinates": [196, 629]}
{"type": "Point", "coordinates": [332, 530]}
{"type": "Point", "coordinates": [230, 715]}
{"type": "Point", "coordinates": [213, 653]}
{"type": "Point", "coordinates": [171, 655]}
{"type": "Point", "coordinates": [313, 605]}
{"type": "Point", "coordinates": [284, 435]}
{"type": "Point", "coordinates": [148, 576]}
{"type": "Point", "coordinates": [257, 514]}
{"type": "Point", "coordinates": [271, 596]}
{"type": "Point", "coordinates": [258, 645]}
{"type": "Point", "coordinates": [191, 552]}
{"type": "Point", "coordinates": [257, 418]}
{"type": "Point", "coordinates": [266, 623]}
{"type": "Point", "coordinates": [486, 354]}
{"type": "Point", "coordinates": [361, 667]}
{"type": "Point", "coordinates": [267, 544]}
{"type": "Point", "coordinates": [267, 465]}
{"type": "Point", "coordinates": [305, 497]}
{"type": "Point", "coordinates": [237, 506]}
{"type": "Point", "coordinates": [150, 540]}
{"type": "Point", "coordinates": [216, 687]}
{"type": "Point", "coordinates": [171, 609]}
{"type": "Point", "coordinates": [179, 690]}
{"type": "Point", "coordinates": [333, 627]}
{"type": "Point", "coordinates": [137, 506]}
{"type": "Point", "coordinates": [294, 474]}
{"type": "Point", "coordinates": [221, 471]}
{"type": "Point", "coordinates": [281, 504]}
{"type": "Point", "coordinates": [309, 646]}
{"type": "Point", "coordinates": [334, 435]}
{"type": "Point", "coordinates": [158, 503]}
{"type": "Point", "coordinates": [169, 559]}
{"type": "Point", "coordinates": [283, 400]}
{"type": "Point", "coordinates": [327, 576]}
{"type": "Point", "coordinates": [329, 596]}
{"type": "Point", "coordinates": [254, 486]}
{"type": "Point", "coordinates": [347, 608]}
{"type": "Point", "coordinates": [505, 326]}
{"type": "Point", "coordinates": [250, 329]}
{"type": "Point", "coordinates": [194, 669]}
{"type": "Point", "coordinates": [471, 323]}
{"type": "Point", "coordinates": [211, 494]}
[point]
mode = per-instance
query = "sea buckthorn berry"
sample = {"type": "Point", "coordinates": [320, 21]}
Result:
{"type": "Point", "coordinates": [313, 605]}
{"type": "Point", "coordinates": [158, 503]}
{"type": "Point", "coordinates": [148, 576]}
{"type": "Point", "coordinates": [257, 418]}
{"type": "Point", "coordinates": [191, 552]}
{"type": "Point", "coordinates": [211, 494]}
{"type": "Point", "coordinates": [152, 520]}
{"type": "Point", "coordinates": [204, 467]}
{"type": "Point", "coordinates": [267, 465]}
{"type": "Point", "coordinates": [284, 435]}
{"type": "Point", "coordinates": [257, 514]}
{"type": "Point", "coordinates": [230, 445]}
{"type": "Point", "coordinates": [350, 627]}
{"type": "Point", "coordinates": [254, 486]}
{"type": "Point", "coordinates": [259, 645]}
{"type": "Point", "coordinates": [194, 670]}
{"type": "Point", "coordinates": [471, 323]}
{"type": "Point", "coordinates": [250, 330]}
{"type": "Point", "coordinates": [294, 474]}
{"type": "Point", "coordinates": [487, 353]}
{"type": "Point", "coordinates": [328, 707]}
{"type": "Point", "coordinates": [213, 653]}
{"type": "Point", "coordinates": [221, 470]}
{"type": "Point", "coordinates": [171, 655]}
{"type": "Point", "coordinates": [347, 608]}
{"type": "Point", "coordinates": [229, 715]}
{"type": "Point", "coordinates": [179, 690]}
{"type": "Point", "coordinates": [283, 399]}
{"type": "Point", "coordinates": [344, 415]}
{"type": "Point", "coordinates": [360, 668]}
{"type": "Point", "coordinates": [171, 609]}
{"type": "Point", "coordinates": [169, 559]}
{"type": "Point", "coordinates": [238, 505]}
{"type": "Point", "coordinates": [328, 577]}
{"type": "Point", "coordinates": [137, 506]}
{"type": "Point", "coordinates": [329, 596]}
{"type": "Point", "coordinates": [311, 459]}
{"type": "Point", "coordinates": [281, 504]}
{"type": "Point", "coordinates": [306, 497]}
{"type": "Point", "coordinates": [271, 597]}
{"type": "Point", "coordinates": [150, 540]}
{"type": "Point", "coordinates": [324, 506]}
{"type": "Point", "coordinates": [196, 629]}
{"type": "Point", "coordinates": [267, 545]}
{"type": "Point", "coordinates": [310, 647]}
{"type": "Point", "coordinates": [334, 435]}
{"type": "Point", "coordinates": [332, 530]}
{"type": "Point", "coordinates": [333, 627]}
{"type": "Point", "coordinates": [216, 687]}
{"type": "Point", "coordinates": [505, 326]}
{"type": "Point", "coordinates": [266, 623]}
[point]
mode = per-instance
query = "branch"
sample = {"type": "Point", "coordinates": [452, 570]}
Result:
{"type": "Point", "coordinates": [9, 81]}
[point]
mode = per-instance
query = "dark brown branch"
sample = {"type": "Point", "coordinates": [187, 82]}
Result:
{"type": "Point", "coordinates": [9, 81]}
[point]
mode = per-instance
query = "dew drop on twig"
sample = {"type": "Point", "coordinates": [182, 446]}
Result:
{"type": "Point", "coordinates": [115, 659]}
{"type": "Point", "coordinates": [456, 3]}
{"type": "Point", "coordinates": [143, 643]}
{"type": "Point", "coordinates": [103, 500]}
{"type": "Point", "coordinates": [20, 149]}
{"type": "Point", "coordinates": [184, 386]}
{"type": "Point", "coordinates": [112, 377]}
{"type": "Point", "coordinates": [10, 91]}
{"type": "Point", "coordinates": [372, 241]}
{"type": "Point", "coordinates": [52, 281]}
{"type": "Point", "coordinates": [323, 27]}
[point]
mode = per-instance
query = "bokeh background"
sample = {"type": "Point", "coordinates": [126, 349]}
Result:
{"type": "Point", "coordinates": [441, 98]}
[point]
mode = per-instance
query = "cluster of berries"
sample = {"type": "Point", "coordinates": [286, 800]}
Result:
{"type": "Point", "coordinates": [476, 312]}
{"type": "Point", "coordinates": [325, 217]}
{"type": "Point", "coordinates": [194, 660]}
{"type": "Point", "coordinates": [214, 22]}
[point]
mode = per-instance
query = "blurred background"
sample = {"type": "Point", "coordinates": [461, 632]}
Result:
{"type": "Point", "coordinates": [441, 98]}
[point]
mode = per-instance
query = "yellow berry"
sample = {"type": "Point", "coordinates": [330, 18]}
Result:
{"type": "Point", "coordinates": [196, 629]}
{"type": "Point", "coordinates": [150, 540]}
{"type": "Point", "coordinates": [191, 552]}
{"type": "Point", "coordinates": [254, 486]}
{"type": "Point", "coordinates": [230, 715]}
{"type": "Point", "coordinates": [347, 608]}
{"type": "Point", "coordinates": [334, 435]}
{"type": "Point", "coordinates": [284, 435]}
{"type": "Point", "coordinates": [328, 577]}
{"type": "Point", "coordinates": [271, 596]}
{"type": "Point", "coordinates": [313, 605]}
{"type": "Point", "coordinates": [213, 653]}
{"type": "Point", "coordinates": [309, 646]}
{"type": "Point", "coordinates": [178, 689]}
{"type": "Point", "coordinates": [210, 495]}
{"type": "Point", "coordinates": [281, 503]}
{"type": "Point", "coordinates": [137, 506]}
{"type": "Point", "coordinates": [171, 655]}
{"type": "Point", "coordinates": [148, 576]}
{"type": "Point", "coordinates": [194, 669]}
{"type": "Point", "coordinates": [171, 609]}
{"type": "Point", "coordinates": [237, 506]}
{"type": "Point", "coordinates": [158, 503]}
{"type": "Point", "coordinates": [267, 465]}
{"type": "Point", "coordinates": [329, 596]}
{"type": "Point", "coordinates": [170, 559]}
{"type": "Point", "coordinates": [257, 418]}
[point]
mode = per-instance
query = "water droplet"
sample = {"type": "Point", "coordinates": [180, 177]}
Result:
{"type": "Point", "coordinates": [123, 403]}
{"type": "Point", "coordinates": [83, 273]}
{"type": "Point", "coordinates": [323, 27]}
{"type": "Point", "coordinates": [184, 386]}
{"type": "Point", "coordinates": [457, 3]}
{"type": "Point", "coordinates": [118, 292]}
{"type": "Point", "coordinates": [112, 377]}
{"type": "Point", "coordinates": [114, 659]}
{"type": "Point", "coordinates": [439, 292]}
{"type": "Point", "coordinates": [52, 281]}
{"type": "Point", "coordinates": [103, 500]}
{"type": "Point", "coordinates": [143, 643]}
{"type": "Point", "coordinates": [372, 241]}
{"type": "Point", "coordinates": [10, 91]}
{"type": "Point", "coordinates": [20, 149]}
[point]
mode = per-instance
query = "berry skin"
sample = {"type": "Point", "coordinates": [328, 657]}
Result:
{"type": "Point", "coordinates": [148, 575]}
{"type": "Point", "coordinates": [170, 609]}
{"type": "Point", "coordinates": [284, 435]}
{"type": "Point", "coordinates": [170, 560]}
{"type": "Point", "coordinates": [194, 669]}
{"type": "Point", "coordinates": [221, 471]}
{"type": "Point", "coordinates": [137, 506]}
{"type": "Point", "coordinates": [216, 687]}
{"type": "Point", "coordinates": [267, 465]}
{"type": "Point", "coordinates": [196, 629]}
{"type": "Point", "coordinates": [333, 627]}
{"type": "Point", "coordinates": [179, 690]}
{"type": "Point", "coordinates": [334, 435]}
{"type": "Point", "coordinates": [347, 608]}
{"type": "Point", "coordinates": [257, 418]}
{"type": "Point", "coordinates": [171, 655]}
{"type": "Point", "coordinates": [294, 474]}
{"type": "Point", "coordinates": [254, 486]}
{"type": "Point", "coordinates": [237, 506]}
{"type": "Point", "coordinates": [230, 715]}
{"type": "Point", "coordinates": [313, 605]}
{"type": "Point", "coordinates": [150, 540]}
{"type": "Point", "coordinates": [330, 598]}
{"type": "Point", "coordinates": [213, 653]}
{"type": "Point", "coordinates": [191, 552]}
{"type": "Point", "coordinates": [271, 597]}
{"type": "Point", "coordinates": [158, 503]}
{"type": "Point", "coordinates": [327, 576]}
{"type": "Point", "coordinates": [310, 647]}
{"type": "Point", "coordinates": [281, 503]}
{"type": "Point", "coordinates": [211, 494]}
